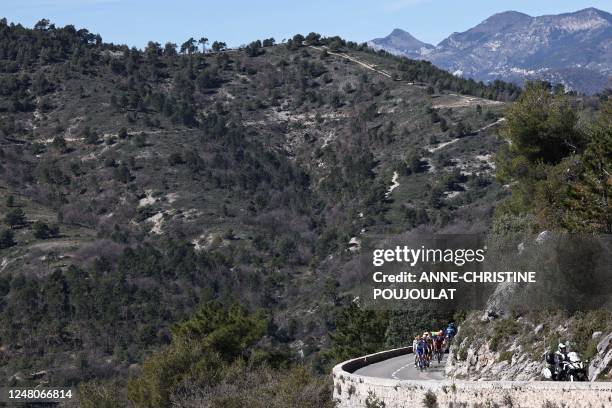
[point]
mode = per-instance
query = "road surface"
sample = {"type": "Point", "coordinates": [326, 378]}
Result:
{"type": "Point", "coordinates": [402, 368]}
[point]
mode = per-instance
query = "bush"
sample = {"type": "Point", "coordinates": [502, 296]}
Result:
{"type": "Point", "coordinates": [123, 133]}
{"type": "Point", "coordinates": [6, 239]}
{"type": "Point", "coordinates": [430, 400]}
{"type": "Point", "coordinates": [44, 231]}
{"type": "Point", "coordinates": [372, 401]}
{"type": "Point", "coordinates": [585, 324]}
{"type": "Point", "coordinates": [15, 217]}
{"type": "Point", "coordinates": [505, 356]}
{"type": "Point", "coordinates": [90, 136]}
{"type": "Point", "coordinates": [504, 329]}
{"type": "Point", "coordinates": [243, 386]}
{"type": "Point", "coordinates": [175, 158]}
{"type": "Point", "coordinates": [122, 173]}
{"type": "Point", "coordinates": [96, 394]}
{"type": "Point", "coordinates": [200, 349]}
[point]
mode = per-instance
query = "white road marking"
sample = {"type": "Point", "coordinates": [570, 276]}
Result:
{"type": "Point", "coordinates": [394, 374]}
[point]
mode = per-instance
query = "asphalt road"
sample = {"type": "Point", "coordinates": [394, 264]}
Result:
{"type": "Point", "coordinates": [402, 368]}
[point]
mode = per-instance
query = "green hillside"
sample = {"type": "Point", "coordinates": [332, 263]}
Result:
{"type": "Point", "coordinates": [136, 185]}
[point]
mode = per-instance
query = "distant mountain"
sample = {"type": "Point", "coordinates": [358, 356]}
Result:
{"type": "Point", "coordinates": [573, 48]}
{"type": "Point", "coordinates": [401, 42]}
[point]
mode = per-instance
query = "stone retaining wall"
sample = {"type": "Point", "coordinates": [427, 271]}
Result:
{"type": "Point", "coordinates": [352, 391]}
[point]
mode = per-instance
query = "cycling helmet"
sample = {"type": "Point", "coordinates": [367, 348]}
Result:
{"type": "Point", "coordinates": [441, 333]}
{"type": "Point", "coordinates": [562, 348]}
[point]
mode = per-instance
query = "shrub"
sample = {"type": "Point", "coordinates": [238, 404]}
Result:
{"type": "Point", "coordinates": [504, 329]}
{"type": "Point", "coordinates": [175, 158]}
{"type": "Point", "coordinates": [505, 356]}
{"type": "Point", "coordinates": [96, 394]}
{"type": "Point", "coordinates": [6, 239]}
{"type": "Point", "coordinates": [15, 217]}
{"type": "Point", "coordinates": [44, 231]}
{"type": "Point", "coordinates": [430, 400]}
{"type": "Point", "coordinates": [123, 133]}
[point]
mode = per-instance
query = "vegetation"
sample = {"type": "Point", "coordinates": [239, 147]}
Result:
{"type": "Point", "coordinates": [220, 188]}
{"type": "Point", "coordinates": [430, 400]}
{"type": "Point", "coordinates": [560, 168]}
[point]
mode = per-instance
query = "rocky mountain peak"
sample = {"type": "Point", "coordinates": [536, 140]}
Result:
{"type": "Point", "coordinates": [402, 42]}
{"type": "Point", "coordinates": [574, 49]}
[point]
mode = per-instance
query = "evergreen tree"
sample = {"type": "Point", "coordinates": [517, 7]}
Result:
{"type": "Point", "coordinates": [15, 217]}
{"type": "Point", "coordinates": [590, 196]}
{"type": "Point", "coordinates": [203, 41]}
{"type": "Point", "coordinates": [6, 239]}
{"type": "Point", "coordinates": [541, 126]}
{"type": "Point", "coordinates": [358, 332]}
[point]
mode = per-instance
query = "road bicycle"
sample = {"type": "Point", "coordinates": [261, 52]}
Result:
{"type": "Point", "coordinates": [421, 363]}
{"type": "Point", "coordinates": [438, 354]}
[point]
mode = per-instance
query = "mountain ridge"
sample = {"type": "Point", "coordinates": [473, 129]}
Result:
{"type": "Point", "coordinates": [574, 49]}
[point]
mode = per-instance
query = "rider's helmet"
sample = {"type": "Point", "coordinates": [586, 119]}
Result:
{"type": "Point", "coordinates": [451, 324]}
{"type": "Point", "coordinates": [441, 333]}
{"type": "Point", "coordinates": [562, 348]}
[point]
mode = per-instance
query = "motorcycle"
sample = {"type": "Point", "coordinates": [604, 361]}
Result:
{"type": "Point", "coordinates": [570, 369]}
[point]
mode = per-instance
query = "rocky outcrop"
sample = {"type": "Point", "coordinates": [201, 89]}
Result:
{"type": "Point", "coordinates": [481, 363]}
{"type": "Point", "coordinates": [601, 365]}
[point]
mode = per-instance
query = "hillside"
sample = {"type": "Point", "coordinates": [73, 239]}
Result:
{"type": "Point", "coordinates": [573, 49]}
{"type": "Point", "coordinates": [142, 183]}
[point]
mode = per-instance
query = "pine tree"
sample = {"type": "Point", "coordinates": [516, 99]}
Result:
{"type": "Point", "coordinates": [590, 196]}
{"type": "Point", "coordinates": [15, 217]}
{"type": "Point", "coordinates": [358, 332]}
{"type": "Point", "coordinates": [6, 239]}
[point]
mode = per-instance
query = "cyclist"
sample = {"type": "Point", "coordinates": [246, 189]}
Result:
{"type": "Point", "coordinates": [429, 341]}
{"type": "Point", "coordinates": [438, 343]}
{"type": "Point", "coordinates": [451, 330]}
{"type": "Point", "coordinates": [420, 351]}
{"type": "Point", "coordinates": [415, 344]}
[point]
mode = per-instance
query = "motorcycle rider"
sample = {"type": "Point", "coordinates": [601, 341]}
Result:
{"type": "Point", "coordinates": [560, 357]}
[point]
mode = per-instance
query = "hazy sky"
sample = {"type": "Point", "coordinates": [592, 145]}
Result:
{"type": "Point", "coordinates": [134, 22]}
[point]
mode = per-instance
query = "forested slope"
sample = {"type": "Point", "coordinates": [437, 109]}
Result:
{"type": "Point", "coordinates": [139, 184]}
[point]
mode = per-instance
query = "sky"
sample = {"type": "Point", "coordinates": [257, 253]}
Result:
{"type": "Point", "coordinates": [135, 22]}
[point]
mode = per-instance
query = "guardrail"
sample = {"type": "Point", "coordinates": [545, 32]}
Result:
{"type": "Point", "coordinates": [356, 391]}
{"type": "Point", "coordinates": [355, 364]}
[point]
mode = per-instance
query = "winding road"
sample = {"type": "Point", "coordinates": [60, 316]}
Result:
{"type": "Point", "coordinates": [402, 368]}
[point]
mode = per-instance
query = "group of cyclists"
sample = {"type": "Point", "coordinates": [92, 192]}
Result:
{"type": "Point", "coordinates": [432, 345]}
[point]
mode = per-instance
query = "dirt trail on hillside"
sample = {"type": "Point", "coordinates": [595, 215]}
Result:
{"type": "Point", "coordinates": [355, 60]}
{"type": "Point", "coordinates": [465, 101]}
{"type": "Point", "coordinates": [432, 149]}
